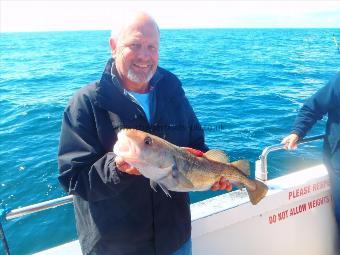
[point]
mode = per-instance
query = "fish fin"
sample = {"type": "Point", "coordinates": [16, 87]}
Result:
{"type": "Point", "coordinates": [243, 166]}
{"type": "Point", "coordinates": [180, 178]}
{"type": "Point", "coordinates": [153, 185]}
{"type": "Point", "coordinates": [217, 155]}
{"type": "Point", "coordinates": [185, 182]}
{"type": "Point", "coordinates": [260, 192]}
{"type": "Point", "coordinates": [166, 191]}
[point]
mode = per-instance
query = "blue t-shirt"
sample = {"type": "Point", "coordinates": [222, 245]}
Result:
{"type": "Point", "coordinates": [143, 100]}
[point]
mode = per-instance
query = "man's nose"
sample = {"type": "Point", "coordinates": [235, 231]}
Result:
{"type": "Point", "coordinates": [144, 52]}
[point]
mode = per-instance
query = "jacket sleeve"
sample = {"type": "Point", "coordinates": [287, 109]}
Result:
{"type": "Point", "coordinates": [85, 168]}
{"type": "Point", "coordinates": [317, 106]}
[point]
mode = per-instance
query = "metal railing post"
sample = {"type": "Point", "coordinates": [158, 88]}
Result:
{"type": "Point", "coordinates": [261, 171]}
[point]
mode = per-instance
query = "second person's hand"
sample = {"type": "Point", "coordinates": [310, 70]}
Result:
{"type": "Point", "coordinates": [290, 141]}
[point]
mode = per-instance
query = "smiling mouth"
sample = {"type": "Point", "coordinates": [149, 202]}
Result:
{"type": "Point", "coordinates": [141, 66]}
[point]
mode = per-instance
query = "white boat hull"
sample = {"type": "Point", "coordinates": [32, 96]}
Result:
{"type": "Point", "coordinates": [295, 217]}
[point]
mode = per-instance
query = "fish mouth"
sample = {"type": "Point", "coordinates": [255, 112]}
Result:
{"type": "Point", "coordinates": [125, 148]}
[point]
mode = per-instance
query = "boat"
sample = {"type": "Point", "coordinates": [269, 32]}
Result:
{"type": "Point", "coordinates": [296, 217]}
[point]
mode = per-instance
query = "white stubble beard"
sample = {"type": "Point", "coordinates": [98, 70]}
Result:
{"type": "Point", "coordinates": [135, 78]}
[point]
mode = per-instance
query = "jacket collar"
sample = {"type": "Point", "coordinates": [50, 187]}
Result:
{"type": "Point", "coordinates": [109, 88]}
{"type": "Point", "coordinates": [110, 70]}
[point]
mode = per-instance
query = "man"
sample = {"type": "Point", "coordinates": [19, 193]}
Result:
{"type": "Point", "coordinates": [116, 210]}
{"type": "Point", "coordinates": [325, 101]}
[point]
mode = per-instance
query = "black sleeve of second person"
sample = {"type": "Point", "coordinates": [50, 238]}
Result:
{"type": "Point", "coordinates": [85, 168]}
{"type": "Point", "coordinates": [316, 107]}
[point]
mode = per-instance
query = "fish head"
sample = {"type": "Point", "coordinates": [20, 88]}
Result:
{"type": "Point", "coordinates": [144, 151]}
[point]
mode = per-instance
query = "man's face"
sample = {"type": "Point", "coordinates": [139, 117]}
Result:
{"type": "Point", "coordinates": [137, 53]}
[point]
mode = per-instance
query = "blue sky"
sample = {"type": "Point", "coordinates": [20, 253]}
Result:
{"type": "Point", "coordinates": [51, 15]}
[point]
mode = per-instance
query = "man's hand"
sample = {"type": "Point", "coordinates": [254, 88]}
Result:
{"type": "Point", "coordinates": [290, 141]}
{"type": "Point", "coordinates": [222, 184]}
{"type": "Point", "coordinates": [125, 167]}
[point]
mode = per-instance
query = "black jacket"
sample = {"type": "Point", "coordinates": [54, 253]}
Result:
{"type": "Point", "coordinates": [117, 213]}
{"type": "Point", "coordinates": [325, 101]}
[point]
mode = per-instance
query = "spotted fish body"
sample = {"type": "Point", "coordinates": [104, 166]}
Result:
{"type": "Point", "coordinates": [174, 168]}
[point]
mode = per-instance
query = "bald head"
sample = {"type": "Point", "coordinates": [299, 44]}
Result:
{"type": "Point", "coordinates": [133, 19]}
{"type": "Point", "coordinates": [134, 44]}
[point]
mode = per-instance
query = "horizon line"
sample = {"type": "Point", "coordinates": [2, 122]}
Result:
{"type": "Point", "coordinates": [169, 28]}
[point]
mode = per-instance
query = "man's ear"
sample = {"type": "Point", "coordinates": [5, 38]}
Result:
{"type": "Point", "coordinates": [113, 45]}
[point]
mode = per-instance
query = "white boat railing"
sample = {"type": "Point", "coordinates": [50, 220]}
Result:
{"type": "Point", "coordinates": [38, 207]}
{"type": "Point", "coordinates": [260, 173]}
{"type": "Point", "coordinates": [19, 212]}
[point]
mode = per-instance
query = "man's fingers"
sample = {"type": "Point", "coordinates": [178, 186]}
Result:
{"type": "Point", "coordinates": [215, 186]}
{"type": "Point", "coordinates": [197, 153]}
{"type": "Point", "coordinates": [125, 167]}
{"type": "Point", "coordinates": [229, 186]}
{"type": "Point", "coordinates": [133, 171]}
{"type": "Point", "coordinates": [222, 184]}
{"type": "Point", "coordinates": [292, 145]}
{"type": "Point", "coordinates": [286, 143]}
{"type": "Point", "coordinates": [225, 184]}
{"type": "Point", "coordinates": [284, 140]}
{"type": "Point", "coordinates": [290, 142]}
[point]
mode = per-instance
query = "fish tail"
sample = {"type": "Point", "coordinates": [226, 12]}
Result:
{"type": "Point", "coordinates": [260, 192]}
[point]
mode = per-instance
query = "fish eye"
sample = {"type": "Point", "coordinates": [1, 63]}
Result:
{"type": "Point", "coordinates": [148, 140]}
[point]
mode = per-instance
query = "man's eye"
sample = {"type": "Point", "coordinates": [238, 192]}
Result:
{"type": "Point", "coordinates": [152, 47]}
{"type": "Point", "coordinates": [134, 46]}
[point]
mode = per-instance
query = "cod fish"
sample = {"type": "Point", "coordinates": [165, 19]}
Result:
{"type": "Point", "coordinates": [174, 168]}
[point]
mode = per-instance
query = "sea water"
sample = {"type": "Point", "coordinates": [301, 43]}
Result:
{"type": "Point", "coordinates": [245, 85]}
